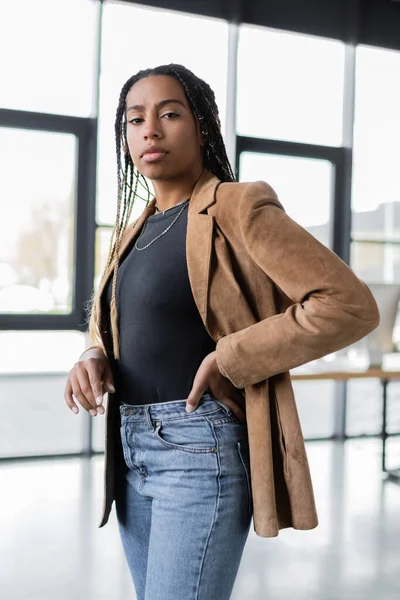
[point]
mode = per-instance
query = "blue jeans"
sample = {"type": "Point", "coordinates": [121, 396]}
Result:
{"type": "Point", "coordinates": [183, 500]}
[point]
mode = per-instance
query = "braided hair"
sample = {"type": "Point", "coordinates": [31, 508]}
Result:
{"type": "Point", "coordinates": [201, 99]}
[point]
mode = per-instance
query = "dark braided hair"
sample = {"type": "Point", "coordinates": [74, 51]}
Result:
{"type": "Point", "coordinates": [201, 99]}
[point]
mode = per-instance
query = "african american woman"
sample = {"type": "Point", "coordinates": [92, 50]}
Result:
{"type": "Point", "coordinates": [206, 302]}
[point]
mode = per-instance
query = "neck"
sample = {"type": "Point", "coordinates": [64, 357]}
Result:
{"type": "Point", "coordinates": [169, 192]}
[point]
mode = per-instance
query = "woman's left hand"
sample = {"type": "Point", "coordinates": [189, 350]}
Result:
{"type": "Point", "coordinates": [209, 377]}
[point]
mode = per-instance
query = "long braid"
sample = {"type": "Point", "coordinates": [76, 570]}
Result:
{"type": "Point", "coordinates": [201, 99]}
{"type": "Point", "coordinates": [218, 163]}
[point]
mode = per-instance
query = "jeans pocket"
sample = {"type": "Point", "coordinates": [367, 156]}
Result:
{"type": "Point", "coordinates": [225, 415]}
{"type": "Point", "coordinates": [186, 434]}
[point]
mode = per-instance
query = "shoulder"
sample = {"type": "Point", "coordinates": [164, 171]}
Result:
{"type": "Point", "coordinates": [246, 195]}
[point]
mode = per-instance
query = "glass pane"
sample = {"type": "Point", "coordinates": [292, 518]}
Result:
{"type": "Point", "coordinates": [364, 412]}
{"type": "Point", "coordinates": [178, 37]}
{"type": "Point", "coordinates": [315, 403]}
{"type": "Point", "coordinates": [36, 252]}
{"type": "Point", "coordinates": [393, 453]}
{"type": "Point", "coordinates": [35, 418]}
{"type": "Point", "coordinates": [379, 263]}
{"type": "Point", "coordinates": [103, 238]}
{"type": "Point", "coordinates": [375, 185]}
{"type": "Point", "coordinates": [34, 368]}
{"type": "Point", "coordinates": [393, 408]}
{"type": "Point", "coordinates": [303, 186]}
{"type": "Point", "coordinates": [376, 262]}
{"type": "Point", "coordinates": [40, 351]}
{"type": "Point", "coordinates": [50, 48]}
{"type": "Point", "coordinates": [289, 86]}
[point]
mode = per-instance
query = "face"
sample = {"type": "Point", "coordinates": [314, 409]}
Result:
{"type": "Point", "coordinates": [158, 115]}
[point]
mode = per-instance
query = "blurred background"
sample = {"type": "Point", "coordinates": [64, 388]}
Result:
{"type": "Point", "coordinates": [309, 96]}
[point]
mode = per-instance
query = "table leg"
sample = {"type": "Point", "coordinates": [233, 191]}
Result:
{"type": "Point", "coordinates": [384, 423]}
{"type": "Point", "coordinates": [394, 475]}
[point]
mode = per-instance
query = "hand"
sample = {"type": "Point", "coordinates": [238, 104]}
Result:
{"type": "Point", "coordinates": [88, 380]}
{"type": "Point", "coordinates": [209, 377]}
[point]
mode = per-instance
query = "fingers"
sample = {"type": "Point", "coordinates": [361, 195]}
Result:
{"type": "Point", "coordinates": [68, 397]}
{"type": "Point", "coordinates": [108, 379]}
{"type": "Point", "coordinates": [89, 386]}
{"type": "Point", "coordinates": [191, 405]}
{"type": "Point", "coordinates": [236, 409]}
{"type": "Point", "coordinates": [85, 382]}
{"type": "Point", "coordinates": [193, 400]}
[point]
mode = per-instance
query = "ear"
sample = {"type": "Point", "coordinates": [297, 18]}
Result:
{"type": "Point", "coordinates": [202, 136]}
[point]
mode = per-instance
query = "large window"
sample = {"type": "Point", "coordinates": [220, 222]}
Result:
{"type": "Point", "coordinates": [47, 143]}
{"type": "Point", "coordinates": [57, 112]}
{"type": "Point", "coordinates": [289, 118]}
{"type": "Point", "coordinates": [375, 239]}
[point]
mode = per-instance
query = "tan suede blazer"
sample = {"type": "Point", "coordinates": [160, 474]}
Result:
{"type": "Point", "coordinates": [273, 298]}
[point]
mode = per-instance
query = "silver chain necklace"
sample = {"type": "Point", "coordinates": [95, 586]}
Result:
{"type": "Point", "coordinates": [162, 212]}
{"type": "Point", "coordinates": [184, 203]}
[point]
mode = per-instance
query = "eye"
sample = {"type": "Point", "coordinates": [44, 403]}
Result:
{"type": "Point", "coordinates": [169, 114]}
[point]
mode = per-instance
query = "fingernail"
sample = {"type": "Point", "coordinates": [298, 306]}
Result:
{"type": "Point", "coordinates": [93, 412]}
{"type": "Point", "coordinates": [74, 408]}
{"type": "Point", "coordinates": [190, 408]}
{"type": "Point", "coordinates": [99, 400]}
{"type": "Point", "coordinates": [111, 388]}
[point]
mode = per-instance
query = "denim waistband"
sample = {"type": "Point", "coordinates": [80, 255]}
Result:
{"type": "Point", "coordinates": [172, 408]}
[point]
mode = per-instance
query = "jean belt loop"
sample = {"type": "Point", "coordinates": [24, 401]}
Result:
{"type": "Point", "coordinates": [148, 418]}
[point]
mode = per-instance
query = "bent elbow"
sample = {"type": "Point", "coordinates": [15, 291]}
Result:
{"type": "Point", "coordinates": [372, 310]}
{"type": "Point", "coordinates": [369, 314]}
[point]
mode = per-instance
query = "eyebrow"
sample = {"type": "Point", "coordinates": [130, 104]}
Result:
{"type": "Point", "coordinates": [158, 105]}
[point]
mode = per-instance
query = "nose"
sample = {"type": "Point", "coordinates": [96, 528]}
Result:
{"type": "Point", "coordinates": [152, 129]}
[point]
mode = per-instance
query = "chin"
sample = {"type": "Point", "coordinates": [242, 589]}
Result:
{"type": "Point", "coordinates": [157, 171]}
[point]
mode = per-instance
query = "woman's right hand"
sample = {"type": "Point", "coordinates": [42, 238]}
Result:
{"type": "Point", "coordinates": [88, 380]}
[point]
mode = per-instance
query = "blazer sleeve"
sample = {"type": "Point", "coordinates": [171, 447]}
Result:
{"type": "Point", "coordinates": [332, 308]}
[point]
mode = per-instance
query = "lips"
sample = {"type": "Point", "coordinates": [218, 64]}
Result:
{"type": "Point", "coordinates": [153, 156]}
{"type": "Point", "coordinates": [154, 150]}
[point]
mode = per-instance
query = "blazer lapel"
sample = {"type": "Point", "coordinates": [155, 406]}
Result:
{"type": "Point", "coordinates": [199, 238]}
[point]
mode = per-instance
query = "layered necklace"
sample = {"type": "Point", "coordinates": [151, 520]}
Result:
{"type": "Point", "coordinates": [183, 204]}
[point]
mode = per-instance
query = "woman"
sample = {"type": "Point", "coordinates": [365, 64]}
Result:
{"type": "Point", "coordinates": [205, 304]}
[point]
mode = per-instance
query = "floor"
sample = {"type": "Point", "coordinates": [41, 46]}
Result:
{"type": "Point", "coordinates": [51, 547]}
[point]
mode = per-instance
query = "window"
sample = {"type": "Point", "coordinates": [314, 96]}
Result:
{"type": "Point", "coordinates": [33, 373]}
{"type": "Point", "coordinates": [375, 185]}
{"type": "Point", "coordinates": [37, 221]}
{"type": "Point", "coordinates": [375, 245]}
{"type": "Point", "coordinates": [290, 86]}
{"type": "Point", "coordinates": [54, 73]}
{"type": "Point", "coordinates": [125, 35]}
